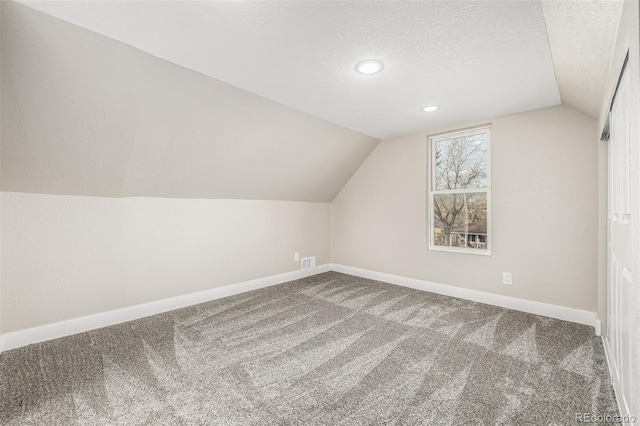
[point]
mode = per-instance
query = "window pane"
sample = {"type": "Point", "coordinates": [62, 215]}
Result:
{"type": "Point", "coordinates": [461, 162]}
{"type": "Point", "coordinates": [460, 220]}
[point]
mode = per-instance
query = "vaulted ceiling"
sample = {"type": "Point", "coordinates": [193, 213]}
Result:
{"type": "Point", "coordinates": [83, 114]}
{"type": "Point", "coordinates": [471, 58]}
{"type": "Point", "coordinates": [581, 37]}
{"type": "Point", "coordinates": [261, 99]}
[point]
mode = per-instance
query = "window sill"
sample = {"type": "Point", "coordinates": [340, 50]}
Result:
{"type": "Point", "coordinates": [461, 250]}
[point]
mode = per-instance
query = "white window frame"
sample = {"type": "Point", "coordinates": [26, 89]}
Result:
{"type": "Point", "coordinates": [432, 192]}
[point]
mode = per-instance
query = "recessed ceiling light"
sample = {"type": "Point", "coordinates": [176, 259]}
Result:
{"type": "Point", "coordinates": [430, 108]}
{"type": "Point", "coordinates": [370, 66]}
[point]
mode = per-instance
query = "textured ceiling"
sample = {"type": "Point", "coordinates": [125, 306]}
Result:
{"type": "Point", "coordinates": [83, 114]}
{"type": "Point", "coordinates": [582, 35]}
{"type": "Point", "coordinates": [475, 59]}
{"type": "Point", "coordinates": [87, 109]}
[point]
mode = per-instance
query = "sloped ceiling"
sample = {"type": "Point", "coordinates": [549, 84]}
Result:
{"type": "Point", "coordinates": [84, 114]}
{"type": "Point", "coordinates": [582, 35]}
{"type": "Point", "coordinates": [260, 100]}
{"type": "Point", "coordinates": [472, 58]}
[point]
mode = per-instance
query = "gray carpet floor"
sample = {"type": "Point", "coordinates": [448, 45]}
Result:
{"type": "Point", "coordinates": [331, 349]}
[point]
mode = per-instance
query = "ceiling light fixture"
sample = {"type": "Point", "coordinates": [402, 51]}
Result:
{"type": "Point", "coordinates": [430, 108]}
{"type": "Point", "coordinates": [370, 66]}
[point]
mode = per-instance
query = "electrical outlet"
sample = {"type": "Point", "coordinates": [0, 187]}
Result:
{"type": "Point", "coordinates": [506, 278]}
{"type": "Point", "coordinates": [296, 257]}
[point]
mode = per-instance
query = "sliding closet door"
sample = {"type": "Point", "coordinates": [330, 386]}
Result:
{"type": "Point", "coordinates": [620, 252]}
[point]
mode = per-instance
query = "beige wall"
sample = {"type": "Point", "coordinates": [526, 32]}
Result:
{"type": "Point", "coordinates": [68, 256]}
{"type": "Point", "coordinates": [87, 117]}
{"type": "Point", "coordinates": [544, 217]}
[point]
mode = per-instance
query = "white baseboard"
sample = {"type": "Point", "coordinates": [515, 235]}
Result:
{"type": "Point", "coordinates": [539, 308]}
{"type": "Point", "coordinates": [28, 336]}
{"type": "Point", "coordinates": [43, 333]}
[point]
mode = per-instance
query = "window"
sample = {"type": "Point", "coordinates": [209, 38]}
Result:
{"type": "Point", "coordinates": [460, 192]}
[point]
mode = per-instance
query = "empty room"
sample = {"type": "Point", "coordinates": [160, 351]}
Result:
{"type": "Point", "coordinates": [320, 212]}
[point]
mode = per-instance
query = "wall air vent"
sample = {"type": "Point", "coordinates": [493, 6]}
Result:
{"type": "Point", "coordinates": [308, 262]}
